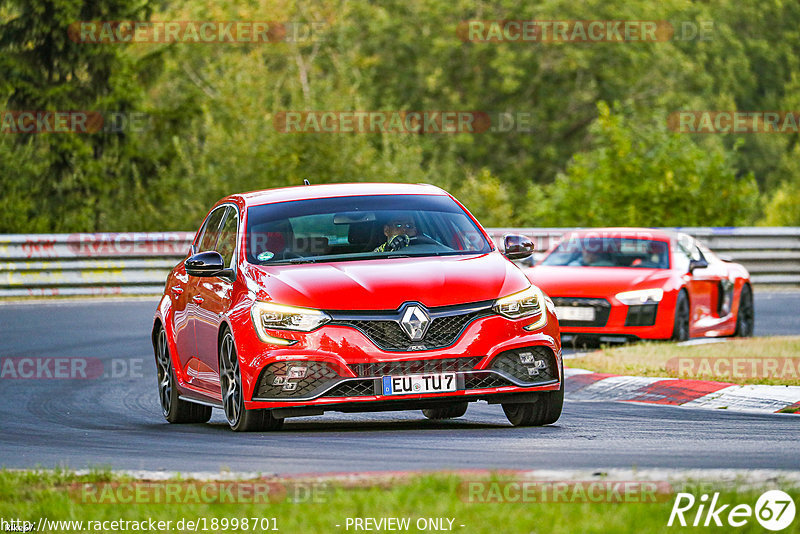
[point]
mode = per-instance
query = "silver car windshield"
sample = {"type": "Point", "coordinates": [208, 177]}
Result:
{"type": "Point", "coordinates": [610, 252]}
{"type": "Point", "coordinates": [360, 227]}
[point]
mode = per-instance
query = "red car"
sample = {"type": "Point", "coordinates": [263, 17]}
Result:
{"type": "Point", "coordinates": [617, 284]}
{"type": "Point", "coordinates": [352, 297]}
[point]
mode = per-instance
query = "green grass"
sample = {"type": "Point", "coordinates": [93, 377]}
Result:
{"type": "Point", "coordinates": [30, 495]}
{"type": "Point", "coordinates": [663, 359]}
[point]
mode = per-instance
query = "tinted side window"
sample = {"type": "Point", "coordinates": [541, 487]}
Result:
{"type": "Point", "coordinates": [208, 237]}
{"type": "Point", "coordinates": [227, 236]}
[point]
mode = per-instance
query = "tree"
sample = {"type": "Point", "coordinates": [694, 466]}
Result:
{"type": "Point", "coordinates": [73, 175]}
{"type": "Point", "coordinates": [783, 204]}
{"type": "Point", "coordinates": [641, 174]}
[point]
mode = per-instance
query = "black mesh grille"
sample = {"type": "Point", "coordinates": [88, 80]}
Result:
{"type": "Point", "coordinates": [485, 380]}
{"type": "Point", "coordinates": [353, 388]}
{"type": "Point", "coordinates": [318, 376]}
{"type": "Point", "coordinates": [386, 334]}
{"type": "Point", "coordinates": [445, 330]}
{"type": "Point", "coordinates": [410, 367]}
{"type": "Point", "coordinates": [442, 332]}
{"type": "Point", "coordinates": [510, 363]}
{"type": "Point", "coordinates": [602, 308]}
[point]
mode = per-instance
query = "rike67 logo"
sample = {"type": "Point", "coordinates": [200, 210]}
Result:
{"type": "Point", "coordinates": [774, 510]}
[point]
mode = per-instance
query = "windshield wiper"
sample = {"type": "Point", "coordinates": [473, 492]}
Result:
{"type": "Point", "coordinates": [367, 256]}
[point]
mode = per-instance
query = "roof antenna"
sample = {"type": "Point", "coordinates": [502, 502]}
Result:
{"type": "Point", "coordinates": [306, 182]}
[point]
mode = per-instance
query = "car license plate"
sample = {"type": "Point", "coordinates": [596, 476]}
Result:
{"type": "Point", "coordinates": [574, 313]}
{"type": "Point", "coordinates": [413, 384]}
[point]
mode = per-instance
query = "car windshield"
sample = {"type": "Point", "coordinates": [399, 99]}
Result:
{"type": "Point", "coordinates": [610, 252]}
{"type": "Point", "coordinates": [361, 227]}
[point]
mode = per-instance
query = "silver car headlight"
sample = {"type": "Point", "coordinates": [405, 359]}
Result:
{"type": "Point", "coordinates": [528, 303]}
{"type": "Point", "coordinates": [271, 316]}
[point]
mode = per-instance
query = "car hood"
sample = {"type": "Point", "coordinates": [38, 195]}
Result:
{"type": "Point", "coordinates": [594, 281]}
{"type": "Point", "coordinates": [385, 284]}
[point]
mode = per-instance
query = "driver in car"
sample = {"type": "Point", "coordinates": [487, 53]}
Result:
{"type": "Point", "coordinates": [593, 258]}
{"type": "Point", "coordinates": [398, 231]}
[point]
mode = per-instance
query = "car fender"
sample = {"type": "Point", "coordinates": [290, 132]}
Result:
{"type": "Point", "coordinates": [164, 315]}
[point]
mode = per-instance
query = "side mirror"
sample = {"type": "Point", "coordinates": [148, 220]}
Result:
{"type": "Point", "coordinates": [697, 264]}
{"type": "Point", "coordinates": [517, 247]}
{"type": "Point", "coordinates": [206, 264]}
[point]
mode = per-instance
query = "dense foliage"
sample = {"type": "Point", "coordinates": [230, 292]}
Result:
{"type": "Point", "coordinates": [597, 150]}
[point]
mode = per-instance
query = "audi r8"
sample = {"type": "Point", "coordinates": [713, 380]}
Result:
{"type": "Point", "coordinates": [352, 297]}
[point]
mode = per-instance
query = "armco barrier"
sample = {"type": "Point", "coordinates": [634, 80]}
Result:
{"type": "Point", "coordinates": [89, 264]}
{"type": "Point", "coordinates": [138, 263]}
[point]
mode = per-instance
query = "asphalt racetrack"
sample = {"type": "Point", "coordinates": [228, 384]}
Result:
{"type": "Point", "coordinates": [115, 421]}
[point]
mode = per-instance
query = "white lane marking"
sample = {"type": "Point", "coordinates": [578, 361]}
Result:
{"type": "Point", "coordinates": [755, 398]}
{"type": "Point", "coordinates": [614, 388]}
{"type": "Point", "coordinates": [701, 341]}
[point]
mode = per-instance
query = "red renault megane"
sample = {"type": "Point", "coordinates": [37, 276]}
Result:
{"type": "Point", "coordinates": [352, 297]}
{"type": "Point", "coordinates": [613, 284]}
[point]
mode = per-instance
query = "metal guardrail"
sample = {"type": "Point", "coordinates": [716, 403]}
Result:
{"type": "Point", "coordinates": [138, 263]}
{"type": "Point", "coordinates": [89, 264]}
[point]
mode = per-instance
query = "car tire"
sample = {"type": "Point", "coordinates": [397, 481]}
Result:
{"type": "Point", "coordinates": [449, 411]}
{"type": "Point", "coordinates": [239, 418]}
{"type": "Point", "coordinates": [745, 317]}
{"type": "Point", "coordinates": [173, 408]}
{"type": "Point", "coordinates": [680, 325]}
{"type": "Point", "coordinates": [545, 410]}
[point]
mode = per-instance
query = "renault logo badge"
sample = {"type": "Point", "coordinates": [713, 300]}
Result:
{"type": "Point", "coordinates": [415, 322]}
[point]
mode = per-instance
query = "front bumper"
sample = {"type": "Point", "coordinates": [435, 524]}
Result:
{"type": "Point", "coordinates": [343, 367]}
{"type": "Point", "coordinates": [613, 320]}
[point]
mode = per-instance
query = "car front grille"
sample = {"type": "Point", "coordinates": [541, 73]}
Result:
{"type": "Point", "coordinates": [388, 335]}
{"type": "Point", "coordinates": [411, 367]}
{"type": "Point", "coordinates": [641, 315]}
{"type": "Point", "coordinates": [483, 380]}
{"type": "Point", "coordinates": [352, 388]}
{"type": "Point", "coordinates": [602, 309]}
{"type": "Point", "coordinates": [383, 328]}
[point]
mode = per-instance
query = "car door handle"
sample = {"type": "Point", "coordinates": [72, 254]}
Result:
{"type": "Point", "coordinates": [178, 290]}
{"type": "Point", "coordinates": [197, 299]}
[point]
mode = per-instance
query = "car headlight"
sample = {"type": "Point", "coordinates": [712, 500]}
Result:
{"type": "Point", "coordinates": [527, 303]}
{"type": "Point", "coordinates": [641, 296]}
{"type": "Point", "coordinates": [268, 315]}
